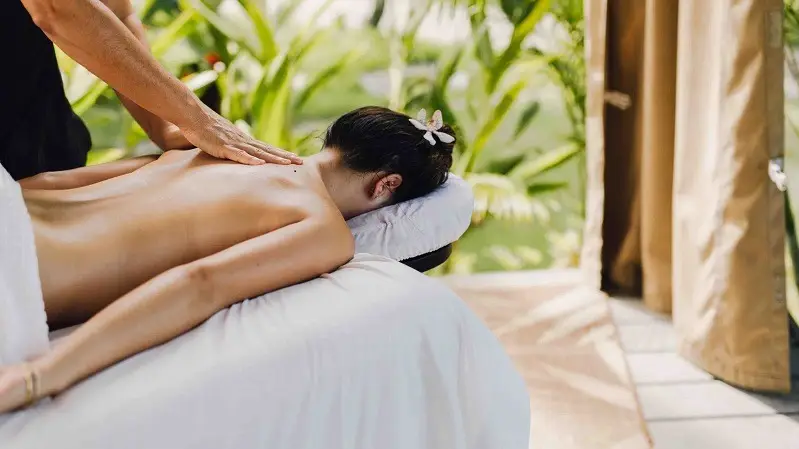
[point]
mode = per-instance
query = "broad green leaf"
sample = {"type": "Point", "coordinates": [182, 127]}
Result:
{"type": "Point", "coordinates": [177, 29]}
{"type": "Point", "coordinates": [545, 187]}
{"type": "Point", "coordinates": [501, 197]}
{"type": "Point", "coordinates": [504, 165]}
{"type": "Point", "coordinates": [520, 33]}
{"type": "Point", "coordinates": [517, 10]}
{"type": "Point", "coordinates": [545, 163]}
{"type": "Point", "coordinates": [232, 30]}
{"type": "Point", "coordinates": [418, 14]}
{"type": "Point", "coordinates": [483, 50]}
{"type": "Point", "coordinates": [324, 76]}
{"type": "Point", "coordinates": [271, 102]}
{"type": "Point", "coordinates": [274, 123]}
{"type": "Point", "coordinates": [489, 126]}
{"type": "Point", "coordinates": [143, 7]}
{"type": "Point", "coordinates": [377, 13]}
{"type": "Point", "coordinates": [302, 48]}
{"type": "Point", "coordinates": [529, 113]}
{"type": "Point", "coordinates": [310, 32]}
{"type": "Point", "coordinates": [438, 96]}
{"type": "Point", "coordinates": [304, 144]}
{"type": "Point", "coordinates": [87, 101]}
{"type": "Point", "coordinates": [286, 11]}
{"type": "Point", "coordinates": [278, 67]}
{"type": "Point", "coordinates": [264, 30]}
{"type": "Point", "coordinates": [135, 135]}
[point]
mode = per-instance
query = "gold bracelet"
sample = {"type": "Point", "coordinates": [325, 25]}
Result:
{"type": "Point", "coordinates": [29, 385]}
{"type": "Point", "coordinates": [36, 381]}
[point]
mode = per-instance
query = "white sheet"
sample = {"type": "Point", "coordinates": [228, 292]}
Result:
{"type": "Point", "coordinates": [373, 356]}
{"type": "Point", "coordinates": [23, 324]}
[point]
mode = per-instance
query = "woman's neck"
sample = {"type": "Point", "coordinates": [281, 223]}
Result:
{"type": "Point", "coordinates": [341, 184]}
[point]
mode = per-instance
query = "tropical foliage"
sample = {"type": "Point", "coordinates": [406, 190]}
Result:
{"type": "Point", "coordinates": [281, 74]}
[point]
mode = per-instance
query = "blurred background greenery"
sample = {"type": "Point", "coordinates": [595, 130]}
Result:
{"type": "Point", "coordinates": [508, 75]}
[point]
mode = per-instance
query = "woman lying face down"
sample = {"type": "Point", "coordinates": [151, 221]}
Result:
{"type": "Point", "coordinates": [165, 242]}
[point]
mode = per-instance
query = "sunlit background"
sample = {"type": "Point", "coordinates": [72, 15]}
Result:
{"type": "Point", "coordinates": [509, 75]}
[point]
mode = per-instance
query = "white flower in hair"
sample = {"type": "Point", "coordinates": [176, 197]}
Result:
{"type": "Point", "coordinates": [431, 127]}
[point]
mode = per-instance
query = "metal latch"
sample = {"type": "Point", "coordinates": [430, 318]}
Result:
{"type": "Point", "coordinates": [776, 173]}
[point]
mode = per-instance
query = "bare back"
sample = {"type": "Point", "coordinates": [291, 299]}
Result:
{"type": "Point", "coordinates": [98, 242]}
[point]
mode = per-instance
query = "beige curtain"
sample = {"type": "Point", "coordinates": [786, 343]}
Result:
{"type": "Point", "coordinates": [680, 206]}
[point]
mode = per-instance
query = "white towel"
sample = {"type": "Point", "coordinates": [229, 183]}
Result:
{"type": "Point", "coordinates": [23, 323]}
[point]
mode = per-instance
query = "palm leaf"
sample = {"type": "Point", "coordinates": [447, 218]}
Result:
{"type": "Point", "coordinates": [143, 8]}
{"type": "Point", "coordinates": [438, 94]}
{"type": "Point", "coordinates": [499, 111]}
{"type": "Point", "coordinates": [230, 29]}
{"type": "Point", "coordinates": [501, 197]}
{"type": "Point", "coordinates": [263, 29]}
{"type": "Point", "coordinates": [377, 13]}
{"type": "Point", "coordinates": [325, 76]}
{"type": "Point", "coordinates": [520, 33]}
{"type": "Point", "coordinates": [529, 113]}
{"type": "Point", "coordinates": [176, 30]}
{"type": "Point", "coordinates": [545, 187]}
{"type": "Point", "coordinates": [545, 163]}
{"type": "Point", "coordinates": [503, 165]}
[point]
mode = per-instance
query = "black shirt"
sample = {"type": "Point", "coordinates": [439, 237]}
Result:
{"type": "Point", "coordinates": [38, 130]}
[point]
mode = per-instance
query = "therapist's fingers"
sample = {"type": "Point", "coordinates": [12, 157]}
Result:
{"type": "Point", "coordinates": [263, 155]}
{"type": "Point", "coordinates": [241, 156]}
{"type": "Point", "coordinates": [265, 147]}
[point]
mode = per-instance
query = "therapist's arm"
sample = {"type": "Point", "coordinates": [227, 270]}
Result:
{"type": "Point", "coordinates": [84, 176]}
{"type": "Point", "coordinates": [92, 35]}
{"type": "Point", "coordinates": [164, 134]}
{"type": "Point", "coordinates": [182, 298]}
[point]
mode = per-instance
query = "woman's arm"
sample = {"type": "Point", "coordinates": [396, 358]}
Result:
{"type": "Point", "coordinates": [182, 298]}
{"type": "Point", "coordinates": [79, 177]}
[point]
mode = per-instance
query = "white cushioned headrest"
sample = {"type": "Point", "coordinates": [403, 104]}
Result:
{"type": "Point", "coordinates": [418, 226]}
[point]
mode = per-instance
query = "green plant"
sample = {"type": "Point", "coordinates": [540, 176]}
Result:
{"type": "Point", "coordinates": [229, 47]}
{"type": "Point", "coordinates": [791, 44]}
{"type": "Point", "coordinates": [268, 74]}
{"type": "Point", "coordinates": [511, 188]}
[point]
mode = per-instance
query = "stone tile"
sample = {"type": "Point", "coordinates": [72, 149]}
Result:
{"type": "Point", "coordinates": [651, 337]}
{"type": "Point", "coordinates": [663, 367]}
{"type": "Point", "coordinates": [766, 432]}
{"type": "Point", "coordinates": [563, 342]}
{"type": "Point", "coordinates": [632, 311]}
{"type": "Point", "coordinates": [707, 400]}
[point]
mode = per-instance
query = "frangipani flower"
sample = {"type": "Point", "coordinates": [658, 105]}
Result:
{"type": "Point", "coordinates": [431, 127]}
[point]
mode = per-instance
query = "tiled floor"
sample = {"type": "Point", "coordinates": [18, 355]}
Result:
{"type": "Point", "coordinates": [562, 340]}
{"type": "Point", "coordinates": [685, 408]}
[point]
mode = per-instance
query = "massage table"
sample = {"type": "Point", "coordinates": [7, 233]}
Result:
{"type": "Point", "coordinates": [375, 355]}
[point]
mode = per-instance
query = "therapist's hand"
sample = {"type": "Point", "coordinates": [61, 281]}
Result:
{"type": "Point", "coordinates": [218, 137]}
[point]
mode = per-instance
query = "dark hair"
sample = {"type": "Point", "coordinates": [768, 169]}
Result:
{"type": "Point", "coordinates": [378, 140]}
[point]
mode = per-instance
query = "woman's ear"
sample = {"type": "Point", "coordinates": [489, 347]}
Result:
{"type": "Point", "coordinates": [385, 187]}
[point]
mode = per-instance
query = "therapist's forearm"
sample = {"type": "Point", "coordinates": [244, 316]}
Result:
{"type": "Point", "coordinates": [163, 133]}
{"type": "Point", "coordinates": [92, 35]}
{"type": "Point", "coordinates": [154, 313]}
